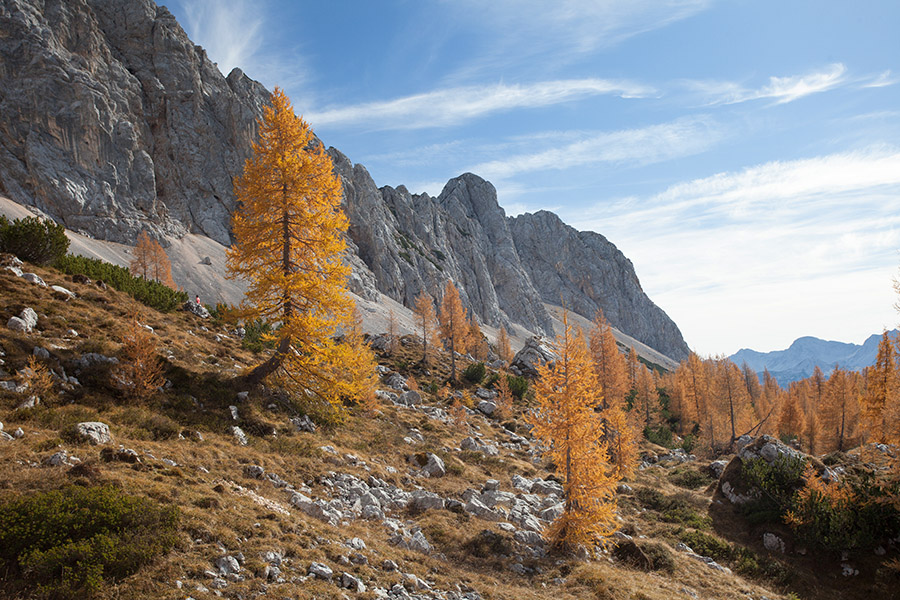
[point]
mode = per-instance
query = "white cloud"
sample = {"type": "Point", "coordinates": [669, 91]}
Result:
{"type": "Point", "coordinates": [645, 145]}
{"type": "Point", "coordinates": [884, 79]}
{"type": "Point", "coordinates": [446, 107]}
{"type": "Point", "coordinates": [769, 253]}
{"type": "Point", "coordinates": [779, 89]}
{"type": "Point", "coordinates": [234, 33]}
{"type": "Point", "coordinates": [563, 30]}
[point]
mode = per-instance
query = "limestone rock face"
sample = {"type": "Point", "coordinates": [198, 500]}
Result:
{"type": "Point", "coordinates": [589, 273]}
{"type": "Point", "coordinates": [114, 121]}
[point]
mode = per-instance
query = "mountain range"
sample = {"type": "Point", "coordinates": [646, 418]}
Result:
{"type": "Point", "coordinates": [806, 353]}
{"type": "Point", "coordinates": [114, 123]}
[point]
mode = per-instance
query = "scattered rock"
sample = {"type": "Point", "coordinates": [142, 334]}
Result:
{"type": "Point", "coordinates": [352, 583]}
{"type": "Point", "coordinates": [773, 543]}
{"type": "Point", "coordinates": [33, 278]}
{"type": "Point", "coordinates": [487, 407]}
{"type": "Point", "coordinates": [320, 571]}
{"type": "Point", "coordinates": [304, 423]}
{"type": "Point", "coordinates": [254, 471]}
{"type": "Point", "coordinates": [239, 436]}
{"type": "Point", "coordinates": [227, 565]}
{"type": "Point", "coordinates": [62, 293]}
{"type": "Point", "coordinates": [431, 464]}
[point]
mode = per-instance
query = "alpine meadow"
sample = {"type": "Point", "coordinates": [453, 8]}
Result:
{"type": "Point", "coordinates": [610, 312]}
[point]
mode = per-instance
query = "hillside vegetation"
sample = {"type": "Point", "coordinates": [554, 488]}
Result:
{"type": "Point", "coordinates": [257, 511]}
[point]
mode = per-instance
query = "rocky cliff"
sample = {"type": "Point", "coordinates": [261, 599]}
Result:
{"type": "Point", "coordinates": [115, 122]}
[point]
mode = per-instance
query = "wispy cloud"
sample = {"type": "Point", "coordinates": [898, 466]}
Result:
{"type": "Point", "coordinates": [563, 30]}
{"type": "Point", "coordinates": [234, 33]}
{"type": "Point", "coordinates": [446, 107]}
{"type": "Point", "coordinates": [640, 146]}
{"type": "Point", "coordinates": [883, 79]}
{"type": "Point", "coordinates": [779, 89]}
{"type": "Point", "coordinates": [742, 242]}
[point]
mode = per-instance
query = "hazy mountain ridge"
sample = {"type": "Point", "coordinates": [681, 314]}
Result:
{"type": "Point", "coordinates": [115, 122]}
{"type": "Point", "coordinates": [800, 359]}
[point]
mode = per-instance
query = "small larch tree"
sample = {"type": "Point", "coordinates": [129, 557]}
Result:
{"type": "Point", "coordinates": [504, 348]}
{"type": "Point", "coordinates": [151, 261]}
{"type": "Point", "coordinates": [427, 322]}
{"type": "Point", "coordinates": [139, 373]}
{"type": "Point", "coordinates": [566, 424]}
{"type": "Point", "coordinates": [289, 239]}
{"type": "Point", "coordinates": [454, 325]}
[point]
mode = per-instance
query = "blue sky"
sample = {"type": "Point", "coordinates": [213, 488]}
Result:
{"type": "Point", "coordinates": [744, 154]}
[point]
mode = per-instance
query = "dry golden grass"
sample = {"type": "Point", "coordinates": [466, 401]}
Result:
{"type": "Point", "coordinates": [219, 505]}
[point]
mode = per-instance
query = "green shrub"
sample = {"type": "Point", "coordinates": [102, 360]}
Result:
{"type": "Point", "coordinates": [152, 293]}
{"type": "Point", "coordinates": [518, 386]}
{"type": "Point", "coordinates": [67, 542]}
{"type": "Point", "coordinates": [661, 436]}
{"type": "Point", "coordinates": [491, 380]}
{"type": "Point", "coordinates": [474, 373]}
{"type": "Point", "coordinates": [672, 509]}
{"type": "Point", "coordinates": [258, 336]}
{"type": "Point", "coordinates": [690, 479]}
{"type": "Point", "coordinates": [39, 241]}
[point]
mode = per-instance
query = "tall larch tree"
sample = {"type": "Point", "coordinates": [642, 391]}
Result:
{"type": "Point", "coordinates": [646, 399]}
{"type": "Point", "coordinates": [289, 239]}
{"type": "Point", "coordinates": [840, 413]}
{"type": "Point", "coordinates": [566, 424]}
{"type": "Point", "coordinates": [427, 322]}
{"type": "Point", "coordinates": [619, 432]}
{"type": "Point", "coordinates": [791, 418]}
{"type": "Point", "coordinates": [453, 324]}
{"type": "Point", "coordinates": [734, 399]}
{"type": "Point", "coordinates": [151, 261]}
{"type": "Point", "coordinates": [880, 402]}
{"type": "Point", "coordinates": [609, 364]}
{"type": "Point", "coordinates": [143, 256]}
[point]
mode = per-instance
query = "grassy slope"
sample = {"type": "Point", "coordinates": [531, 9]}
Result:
{"type": "Point", "coordinates": [224, 509]}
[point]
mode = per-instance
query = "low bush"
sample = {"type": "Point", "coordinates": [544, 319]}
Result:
{"type": "Point", "coordinates": [152, 293]}
{"type": "Point", "coordinates": [474, 373]}
{"type": "Point", "coordinates": [691, 479]}
{"type": "Point", "coordinates": [66, 543]}
{"type": "Point", "coordinates": [39, 241]}
{"type": "Point", "coordinates": [661, 436]}
{"type": "Point", "coordinates": [258, 336]}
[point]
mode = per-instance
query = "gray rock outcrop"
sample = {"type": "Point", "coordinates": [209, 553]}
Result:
{"type": "Point", "coordinates": [115, 122]}
{"type": "Point", "coordinates": [589, 273]}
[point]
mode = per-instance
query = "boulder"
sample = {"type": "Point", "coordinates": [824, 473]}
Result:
{"type": "Point", "coordinates": [487, 407]}
{"type": "Point", "coordinates": [535, 353]}
{"type": "Point", "coordinates": [431, 464]}
{"type": "Point", "coordinates": [196, 309]}
{"type": "Point", "coordinates": [93, 432]}
{"type": "Point", "coordinates": [62, 293]}
{"type": "Point", "coordinates": [422, 500]}
{"type": "Point", "coordinates": [320, 571]}
{"type": "Point", "coordinates": [239, 436]}
{"type": "Point", "coordinates": [34, 278]}
{"type": "Point", "coordinates": [352, 583]}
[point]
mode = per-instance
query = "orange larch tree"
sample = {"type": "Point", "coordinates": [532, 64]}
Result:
{"type": "Point", "coordinates": [504, 348]}
{"type": "Point", "coordinates": [881, 397]}
{"type": "Point", "coordinates": [453, 324]}
{"type": "Point", "coordinates": [566, 424]}
{"type": "Point", "coordinates": [609, 364]}
{"type": "Point", "coordinates": [289, 243]}
{"type": "Point", "coordinates": [143, 256]}
{"type": "Point", "coordinates": [427, 321]}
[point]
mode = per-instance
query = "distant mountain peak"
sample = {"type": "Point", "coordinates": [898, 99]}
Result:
{"type": "Point", "coordinates": [806, 353]}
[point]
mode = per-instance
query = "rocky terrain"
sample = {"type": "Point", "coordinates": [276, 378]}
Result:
{"type": "Point", "coordinates": [115, 122]}
{"type": "Point", "coordinates": [403, 500]}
